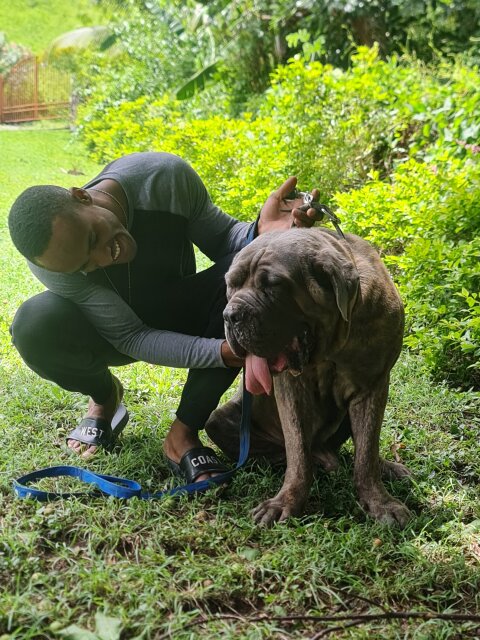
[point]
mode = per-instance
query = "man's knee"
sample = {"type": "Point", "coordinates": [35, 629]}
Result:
{"type": "Point", "coordinates": [36, 320]}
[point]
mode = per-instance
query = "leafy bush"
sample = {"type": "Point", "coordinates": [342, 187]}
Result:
{"type": "Point", "coordinates": [425, 223]}
{"type": "Point", "coordinates": [329, 133]}
{"type": "Point", "coordinates": [403, 134]}
{"type": "Point", "coordinates": [167, 42]}
{"type": "Point", "coordinates": [234, 157]}
{"type": "Point", "coordinates": [329, 127]}
{"type": "Point", "coordinates": [334, 126]}
{"type": "Point", "coordinates": [10, 53]}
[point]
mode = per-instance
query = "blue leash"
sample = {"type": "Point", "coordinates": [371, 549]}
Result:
{"type": "Point", "coordinates": [125, 488]}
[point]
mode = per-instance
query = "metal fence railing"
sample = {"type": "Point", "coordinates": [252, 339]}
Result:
{"type": "Point", "coordinates": [34, 90]}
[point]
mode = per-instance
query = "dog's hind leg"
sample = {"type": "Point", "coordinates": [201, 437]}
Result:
{"type": "Point", "coordinates": [223, 426]}
{"type": "Point", "coordinates": [266, 437]}
{"type": "Point", "coordinates": [393, 470]}
{"type": "Point", "coordinates": [325, 453]}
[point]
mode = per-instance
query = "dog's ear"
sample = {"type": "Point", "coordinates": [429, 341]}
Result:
{"type": "Point", "coordinates": [332, 269]}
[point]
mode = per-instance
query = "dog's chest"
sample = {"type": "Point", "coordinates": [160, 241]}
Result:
{"type": "Point", "coordinates": [330, 393]}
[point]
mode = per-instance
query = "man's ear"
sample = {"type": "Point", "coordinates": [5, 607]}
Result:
{"type": "Point", "coordinates": [329, 269]}
{"type": "Point", "coordinates": [81, 195]}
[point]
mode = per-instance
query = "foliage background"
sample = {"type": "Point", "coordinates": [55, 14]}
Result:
{"type": "Point", "coordinates": [35, 23]}
{"type": "Point", "coordinates": [392, 142]}
{"type": "Point", "coordinates": [250, 91]}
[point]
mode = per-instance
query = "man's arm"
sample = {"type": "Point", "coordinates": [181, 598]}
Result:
{"type": "Point", "coordinates": [217, 234]}
{"type": "Point", "coordinates": [118, 324]}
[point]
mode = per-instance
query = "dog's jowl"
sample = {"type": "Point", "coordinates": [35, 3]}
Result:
{"type": "Point", "coordinates": [320, 324]}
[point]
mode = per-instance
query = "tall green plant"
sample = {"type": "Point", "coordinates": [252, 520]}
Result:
{"type": "Point", "coordinates": [425, 222]}
{"type": "Point", "coordinates": [234, 45]}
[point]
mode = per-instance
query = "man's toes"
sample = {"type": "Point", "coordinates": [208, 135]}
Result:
{"type": "Point", "coordinates": [75, 445]}
{"type": "Point", "coordinates": [89, 452]}
{"type": "Point", "coordinates": [205, 476]}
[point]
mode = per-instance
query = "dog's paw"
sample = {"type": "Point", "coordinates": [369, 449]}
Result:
{"type": "Point", "coordinates": [276, 509]}
{"type": "Point", "coordinates": [394, 470]}
{"type": "Point", "coordinates": [388, 510]}
{"type": "Point", "coordinates": [328, 460]}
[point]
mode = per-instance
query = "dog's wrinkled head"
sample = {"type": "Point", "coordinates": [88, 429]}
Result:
{"type": "Point", "coordinates": [290, 294]}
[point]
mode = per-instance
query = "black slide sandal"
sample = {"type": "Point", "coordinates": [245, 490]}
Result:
{"type": "Point", "coordinates": [98, 432]}
{"type": "Point", "coordinates": [196, 462]}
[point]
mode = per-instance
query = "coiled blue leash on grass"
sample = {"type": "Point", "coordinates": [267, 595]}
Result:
{"type": "Point", "coordinates": [123, 487]}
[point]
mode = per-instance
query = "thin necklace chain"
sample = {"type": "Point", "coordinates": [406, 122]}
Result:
{"type": "Point", "coordinates": [126, 227]}
{"type": "Point", "coordinates": [107, 193]}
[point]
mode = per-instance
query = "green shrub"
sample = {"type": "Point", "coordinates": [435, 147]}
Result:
{"type": "Point", "coordinates": [425, 224]}
{"type": "Point", "coordinates": [441, 284]}
{"type": "Point", "coordinates": [10, 53]}
{"type": "Point", "coordinates": [234, 157]}
{"type": "Point", "coordinates": [338, 125]}
{"type": "Point", "coordinates": [404, 135]}
{"type": "Point", "coordinates": [332, 127]}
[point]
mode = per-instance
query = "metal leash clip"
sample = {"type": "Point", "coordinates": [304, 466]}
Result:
{"type": "Point", "coordinates": [310, 203]}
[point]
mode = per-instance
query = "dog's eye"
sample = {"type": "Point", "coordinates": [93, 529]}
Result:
{"type": "Point", "coordinates": [235, 279]}
{"type": "Point", "coordinates": [267, 280]}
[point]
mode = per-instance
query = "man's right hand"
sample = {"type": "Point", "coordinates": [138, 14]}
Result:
{"type": "Point", "coordinates": [229, 358]}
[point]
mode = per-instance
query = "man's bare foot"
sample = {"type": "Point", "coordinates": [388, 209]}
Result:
{"type": "Point", "coordinates": [105, 411]}
{"type": "Point", "coordinates": [179, 440]}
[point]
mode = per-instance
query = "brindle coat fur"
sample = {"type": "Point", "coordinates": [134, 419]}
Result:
{"type": "Point", "coordinates": [337, 297]}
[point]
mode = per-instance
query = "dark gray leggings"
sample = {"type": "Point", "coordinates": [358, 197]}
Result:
{"type": "Point", "coordinates": [56, 341]}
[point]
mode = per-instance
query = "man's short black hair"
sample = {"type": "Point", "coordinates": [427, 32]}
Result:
{"type": "Point", "coordinates": [32, 214]}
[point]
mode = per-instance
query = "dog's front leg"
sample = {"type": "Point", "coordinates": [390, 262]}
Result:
{"type": "Point", "coordinates": [366, 416]}
{"type": "Point", "coordinates": [292, 396]}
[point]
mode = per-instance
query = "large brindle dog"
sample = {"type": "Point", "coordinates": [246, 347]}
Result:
{"type": "Point", "coordinates": [320, 323]}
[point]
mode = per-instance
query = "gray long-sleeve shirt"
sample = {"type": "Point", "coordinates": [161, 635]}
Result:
{"type": "Point", "coordinates": [169, 210]}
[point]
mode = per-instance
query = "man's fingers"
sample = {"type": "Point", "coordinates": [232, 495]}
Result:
{"type": "Point", "coordinates": [304, 218]}
{"type": "Point", "coordinates": [287, 187]}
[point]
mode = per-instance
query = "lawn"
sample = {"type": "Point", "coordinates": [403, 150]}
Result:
{"type": "Point", "coordinates": [35, 23]}
{"type": "Point", "coordinates": [199, 568]}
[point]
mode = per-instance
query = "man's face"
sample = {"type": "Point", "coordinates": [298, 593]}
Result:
{"type": "Point", "coordinates": [90, 238]}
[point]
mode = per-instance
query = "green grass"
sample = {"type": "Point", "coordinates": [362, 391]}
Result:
{"type": "Point", "coordinates": [35, 23]}
{"type": "Point", "coordinates": [157, 567]}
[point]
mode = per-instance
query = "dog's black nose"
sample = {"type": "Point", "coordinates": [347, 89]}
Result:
{"type": "Point", "coordinates": [233, 315]}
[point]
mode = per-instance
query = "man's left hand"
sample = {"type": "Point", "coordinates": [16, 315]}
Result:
{"type": "Point", "coordinates": [279, 214]}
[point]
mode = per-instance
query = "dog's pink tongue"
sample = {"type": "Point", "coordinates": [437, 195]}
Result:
{"type": "Point", "coordinates": [258, 378]}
